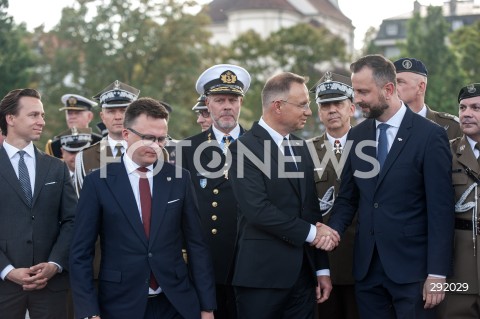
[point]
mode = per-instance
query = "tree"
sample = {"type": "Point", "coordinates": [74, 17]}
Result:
{"type": "Point", "coordinates": [157, 46]}
{"type": "Point", "coordinates": [426, 40]}
{"type": "Point", "coordinates": [16, 58]}
{"type": "Point", "coordinates": [466, 46]}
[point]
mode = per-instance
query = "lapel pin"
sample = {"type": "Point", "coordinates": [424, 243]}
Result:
{"type": "Point", "coordinates": [169, 179]}
{"type": "Point", "coordinates": [400, 139]}
{"type": "Point", "coordinates": [462, 148]}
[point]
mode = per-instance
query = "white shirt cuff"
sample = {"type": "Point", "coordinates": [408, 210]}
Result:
{"type": "Point", "coordinates": [323, 272]}
{"type": "Point", "coordinates": [5, 271]}
{"type": "Point", "coordinates": [311, 234]}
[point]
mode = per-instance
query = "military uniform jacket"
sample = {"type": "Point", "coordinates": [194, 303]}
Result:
{"type": "Point", "coordinates": [448, 121]}
{"type": "Point", "coordinates": [466, 265]}
{"type": "Point", "coordinates": [327, 184]}
{"type": "Point", "coordinates": [217, 203]}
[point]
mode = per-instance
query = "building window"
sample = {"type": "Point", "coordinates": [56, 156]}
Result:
{"type": "Point", "coordinates": [457, 24]}
{"type": "Point", "coordinates": [392, 29]}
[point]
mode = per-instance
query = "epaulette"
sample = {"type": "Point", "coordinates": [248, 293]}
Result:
{"type": "Point", "coordinates": [448, 116]}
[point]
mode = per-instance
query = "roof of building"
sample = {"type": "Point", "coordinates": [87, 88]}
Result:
{"type": "Point", "coordinates": [218, 9]}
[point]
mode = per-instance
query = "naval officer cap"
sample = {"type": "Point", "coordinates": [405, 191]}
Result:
{"type": "Point", "coordinates": [72, 140]}
{"type": "Point", "coordinates": [200, 104]}
{"type": "Point", "coordinates": [410, 65]}
{"type": "Point", "coordinates": [471, 90]}
{"type": "Point", "coordinates": [117, 94]}
{"type": "Point", "coordinates": [224, 79]}
{"type": "Point", "coordinates": [332, 87]}
{"type": "Point", "coordinates": [76, 102]}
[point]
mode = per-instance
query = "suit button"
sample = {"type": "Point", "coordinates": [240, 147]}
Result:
{"type": "Point", "coordinates": [214, 217]}
{"type": "Point", "coordinates": [215, 191]}
{"type": "Point", "coordinates": [33, 217]}
{"type": "Point", "coordinates": [29, 241]}
{"type": "Point", "coordinates": [214, 231]}
{"type": "Point", "coordinates": [375, 205]}
{"type": "Point", "coordinates": [214, 204]}
{"type": "Point", "coordinates": [150, 255]}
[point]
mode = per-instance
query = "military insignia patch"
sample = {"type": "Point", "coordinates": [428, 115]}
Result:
{"type": "Point", "coordinates": [228, 77]}
{"type": "Point", "coordinates": [471, 88]}
{"type": "Point", "coordinates": [203, 182]}
{"type": "Point", "coordinates": [72, 101]}
{"type": "Point", "coordinates": [407, 64]}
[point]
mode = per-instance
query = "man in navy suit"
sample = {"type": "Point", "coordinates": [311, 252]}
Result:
{"type": "Point", "coordinates": [144, 210]}
{"type": "Point", "coordinates": [278, 273]}
{"type": "Point", "coordinates": [404, 235]}
{"type": "Point", "coordinates": [37, 215]}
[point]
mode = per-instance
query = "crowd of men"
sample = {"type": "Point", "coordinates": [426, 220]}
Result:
{"type": "Point", "coordinates": [375, 220]}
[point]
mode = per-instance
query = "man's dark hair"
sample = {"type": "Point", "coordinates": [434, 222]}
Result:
{"type": "Point", "coordinates": [9, 105]}
{"type": "Point", "coordinates": [279, 85]}
{"type": "Point", "coordinates": [144, 105]}
{"type": "Point", "coordinates": [383, 70]}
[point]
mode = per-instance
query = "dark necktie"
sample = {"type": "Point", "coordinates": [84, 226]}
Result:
{"type": "Point", "coordinates": [227, 139]}
{"type": "Point", "coordinates": [24, 178]}
{"type": "Point", "coordinates": [382, 150]}
{"type": "Point", "coordinates": [477, 146]}
{"type": "Point", "coordinates": [146, 205]}
{"type": "Point", "coordinates": [118, 149]}
{"type": "Point", "coordinates": [291, 165]}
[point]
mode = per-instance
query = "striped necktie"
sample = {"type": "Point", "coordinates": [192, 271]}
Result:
{"type": "Point", "coordinates": [24, 178]}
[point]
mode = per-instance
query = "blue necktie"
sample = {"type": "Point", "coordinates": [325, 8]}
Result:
{"type": "Point", "coordinates": [382, 149]}
{"type": "Point", "coordinates": [24, 178]}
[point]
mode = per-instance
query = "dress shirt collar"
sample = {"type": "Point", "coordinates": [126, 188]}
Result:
{"type": "Point", "coordinates": [131, 166]}
{"type": "Point", "coordinates": [343, 139]}
{"type": "Point", "coordinates": [12, 150]}
{"type": "Point", "coordinates": [277, 137]}
{"type": "Point", "coordinates": [219, 134]}
{"type": "Point", "coordinates": [396, 119]}
{"type": "Point", "coordinates": [423, 111]}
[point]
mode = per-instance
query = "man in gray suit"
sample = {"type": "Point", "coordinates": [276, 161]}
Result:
{"type": "Point", "coordinates": [37, 214]}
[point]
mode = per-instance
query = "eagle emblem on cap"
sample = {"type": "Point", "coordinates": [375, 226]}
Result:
{"type": "Point", "coordinates": [72, 101]}
{"type": "Point", "coordinates": [407, 64]}
{"type": "Point", "coordinates": [471, 88]}
{"type": "Point", "coordinates": [327, 77]}
{"type": "Point", "coordinates": [228, 77]}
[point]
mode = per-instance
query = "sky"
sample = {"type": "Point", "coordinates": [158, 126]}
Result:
{"type": "Point", "coordinates": [363, 13]}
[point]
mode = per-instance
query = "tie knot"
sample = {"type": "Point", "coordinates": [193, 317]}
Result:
{"type": "Point", "coordinates": [383, 126]}
{"type": "Point", "coordinates": [21, 153]}
{"type": "Point", "coordinates": [227, 138]}
{"type": "Point", "coordinates": [143, 169]}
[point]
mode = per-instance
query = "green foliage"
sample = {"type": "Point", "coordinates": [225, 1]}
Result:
{"type": "Point", "coordinates": [426, 40]}
{"type": "Point", "coordinates": [466, 45]}
{"type": "Point", "coordinates": [16, 59]}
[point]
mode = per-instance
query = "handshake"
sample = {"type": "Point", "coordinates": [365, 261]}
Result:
{"type": "Point", "coordinates": [326, 238]}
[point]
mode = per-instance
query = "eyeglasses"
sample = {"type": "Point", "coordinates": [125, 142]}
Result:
{"type": "Point", "coordinates": [305, 106]}
{"type": "Point", "coordinates": [204, 113]}
{"type": "Point", "coordinates": [149, 138]}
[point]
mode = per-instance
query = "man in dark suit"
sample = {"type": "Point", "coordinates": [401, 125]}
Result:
{"type": "Point", "coordinates": [276, 268]}
{"type": "Point", "coordinates": [334, 96]}
{"type": "Point", "coordinates": [144, 209]}
{"type": "Point", "coordinates": [217, 204]}
{"type": "Point", "coordinates": [37, 215]}
{"type": "Point", "coordinates": [401, 189]}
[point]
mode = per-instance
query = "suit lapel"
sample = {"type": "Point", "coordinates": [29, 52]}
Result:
{"type": "Point", "coordinates": [43, 163]}
{"type": "Point", "coordinates": [160, 195]}
{"type": "Point", "coordinates": [120, 186]}
{"type": "Point", "coordinates": [398, 144]}
{"type": "Point", "coordinates": [299, 151]}
{"type": "Point", "coordinates": [9, 175]}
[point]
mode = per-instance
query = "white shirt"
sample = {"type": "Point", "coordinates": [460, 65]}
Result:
{"type": "Point", "coordinates": [29, 158]}
{"type": "Point", "coordinates": [219, 134]}
{"type": "Point", "coordinates": [134, 179]}
{"type": "Point", "coordinates": [278, 139]}
{"type": "Point", "coordinates": [394, 123]}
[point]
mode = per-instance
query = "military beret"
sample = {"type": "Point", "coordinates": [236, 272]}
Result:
{"type": "Point", "coordinates": [76, 102]}
{"type": "Point", "coordinates": [200, 103]}
{"type": "Point", "coordinates": [410, 65]}
{"type": "Point", "coordinates": [469, 91]}
{"type": "Point", "coordinates": [72, 140]}
{"type": "Point", "coordinates": [332, 87]}
{"type": "Point", "coordinates": [223, 79]}
{"type": "Point", "coordinates": [117, 94]}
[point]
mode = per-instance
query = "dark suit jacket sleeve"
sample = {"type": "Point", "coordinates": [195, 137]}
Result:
{"type": "Point", "coordinates": [256, 205]}
{"type": "Point", "coordinates": [61, 249]}
{"type": "Point", "coordinates": [439, 191]}
{"type": "Point", "coordinates": [87, 223]}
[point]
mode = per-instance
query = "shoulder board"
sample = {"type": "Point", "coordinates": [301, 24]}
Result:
{"type": "Point", "coordinates": [448, 116]}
